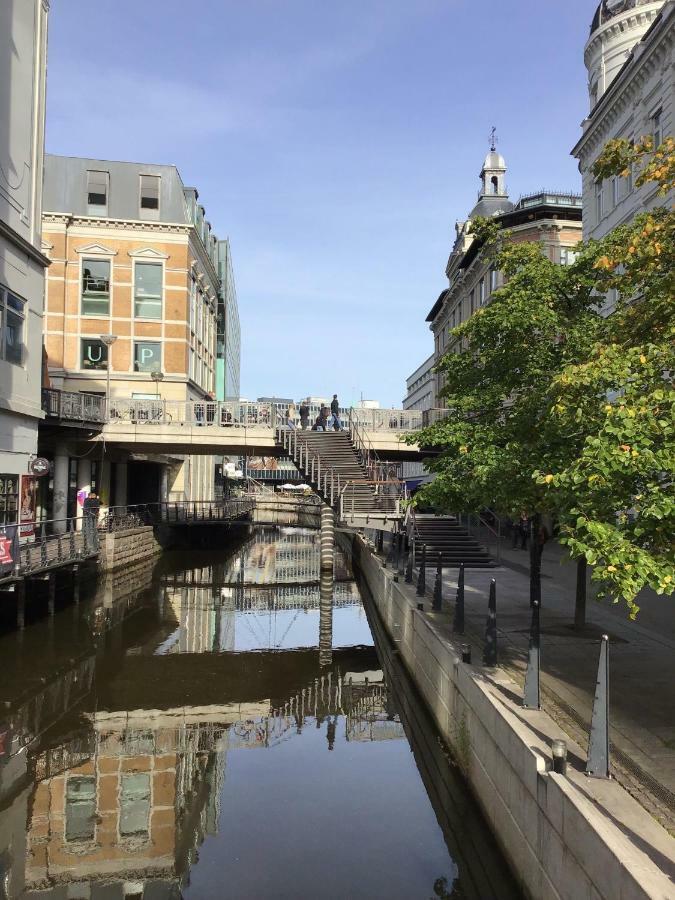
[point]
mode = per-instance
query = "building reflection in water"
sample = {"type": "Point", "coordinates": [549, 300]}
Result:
{"type": "Point", "coordinates": [111, 775]}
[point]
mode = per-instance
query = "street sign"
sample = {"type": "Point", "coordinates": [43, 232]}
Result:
{"type": "Point", "coordinates": [39, 466]}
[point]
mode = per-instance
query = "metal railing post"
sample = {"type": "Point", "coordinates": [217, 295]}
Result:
{"type": "Point", "coordinates": [490, 648]}
{"type": "Point", "coordinates": [597, 764]}
{"type": "Point", "coordinates": [438, 586]}
{"type": "Point", "coordinates": [458, 619]}
{"type": "Point", "coordinates": [422, 574]}
{"type": "Point", "coordinates": [531, 695]}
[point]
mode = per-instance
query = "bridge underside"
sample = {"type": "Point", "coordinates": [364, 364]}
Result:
{"type": "Point", "coordinates": [148, 437]}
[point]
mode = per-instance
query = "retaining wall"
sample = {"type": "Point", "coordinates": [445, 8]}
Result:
{"type": "Point", "coordinates": [124, 548]}
{"type": "Point", "coordinates": [286, 511]}
{"type": "Point", "coordinates": [569, 836]}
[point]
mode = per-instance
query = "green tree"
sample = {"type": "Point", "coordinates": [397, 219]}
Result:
{"type": "Point", "coordinates": [548, 393]}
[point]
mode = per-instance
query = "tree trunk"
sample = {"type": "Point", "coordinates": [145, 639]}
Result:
{"type": "Point", "coordinates": [535, 560]}
{"type": "Point", "coordinates": [580, 602]}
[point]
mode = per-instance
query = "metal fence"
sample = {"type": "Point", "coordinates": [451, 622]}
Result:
{"type": "Point", "coordinates": [73, 406]}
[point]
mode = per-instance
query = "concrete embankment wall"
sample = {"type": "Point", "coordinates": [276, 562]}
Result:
{"type": "Point", "coordinates": [286, 511]}
{"type": "Point", "coordinates": [125, 548]}
{"type": "Point", "coordinates": [565, 836]}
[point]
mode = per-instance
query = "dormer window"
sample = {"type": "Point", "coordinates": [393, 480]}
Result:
{"type": "Point", "coordinates": [97, 193]}
{"type": "Point", "coordinates": [149, 202]}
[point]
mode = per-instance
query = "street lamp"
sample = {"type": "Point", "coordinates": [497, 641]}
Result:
{"type": "Point", "coordinates": [108, 340]}
{"type": "Point", "coordinates": [157, 376]}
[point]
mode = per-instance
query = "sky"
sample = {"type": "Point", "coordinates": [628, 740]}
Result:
{"type": "Point", "coordinates": [335, 144]}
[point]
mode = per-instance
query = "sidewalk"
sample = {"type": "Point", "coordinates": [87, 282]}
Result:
{"type": "Point", "coordinates": [642, 664]}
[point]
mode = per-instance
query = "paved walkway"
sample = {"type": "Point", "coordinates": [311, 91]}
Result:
{"type": "Point", "coordinates": [642, 664]}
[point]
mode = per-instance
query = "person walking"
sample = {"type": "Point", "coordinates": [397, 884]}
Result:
{"type": "Point", "coordinates": [292, 414]}
{"type": "Point", "coordinates": [304, 416]}
{"type": "Point", "coordinates": [523, 531]}
{"type": "Point", "coordinates": [90, 512]}
{"type": "Point", "coordinates": [335, 413]}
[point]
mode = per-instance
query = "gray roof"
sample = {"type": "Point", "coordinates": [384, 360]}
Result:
{"type": "Point", "coordinates": [489, 205]}
{"type": "Point", "coordinates": [65, 188]}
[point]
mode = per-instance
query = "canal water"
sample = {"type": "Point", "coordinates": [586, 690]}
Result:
{"type": "Point", "coordinates": [226, 724]}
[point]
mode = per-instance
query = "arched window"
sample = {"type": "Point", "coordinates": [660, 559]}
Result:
{"type": "Point", "coordinates": [494, 181]}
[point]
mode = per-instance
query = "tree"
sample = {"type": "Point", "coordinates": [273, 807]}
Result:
{"type": "Point", "coordinates": [556, 408]}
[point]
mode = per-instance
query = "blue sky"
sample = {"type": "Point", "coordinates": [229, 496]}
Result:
{"type": "Point", "coordinates": [336, 144]}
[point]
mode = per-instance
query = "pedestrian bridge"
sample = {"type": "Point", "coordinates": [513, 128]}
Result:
{"type": "Point", "coordinates": [233, 428]}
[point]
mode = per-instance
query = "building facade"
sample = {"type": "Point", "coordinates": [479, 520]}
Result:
{"type": "Point", "coordinates": [23, 55]}
{"type": "Point", "coordinates": [133, 257]}
{"type": "Point", "coordinates": [420, 387]}
{"type": "Point", "coordinates": [551, 219]}
{"type": "Point", "coordinates": [228, 332]}
{"type": "Point", "coordinates": [631, 84]}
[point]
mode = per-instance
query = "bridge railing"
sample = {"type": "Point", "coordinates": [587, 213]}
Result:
{"type": "Point", "coordinates": [73, 406]}
{"type": "Point", "coordinates": [176, 512]}
{"type": "Point", "coordinates": [51, 543]}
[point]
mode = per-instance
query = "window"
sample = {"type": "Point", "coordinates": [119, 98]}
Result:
{"type": "Point", "coordinates": [148, 290]}
{"type": "Point", "coordinates": [94, 354]}
{"type": "Point", "coordinates": [147, 356]}
{"type": "Point", "coordinates": [9, 498]}
{"type": "Point", "coordinates": [95, 287]}
{"type": "Point", "coordinates": [493, 280]}
{"type": "Point", "coordinates": [657, 129]}
{"type": "Point", "coordinates": [481, 288]}
{"type": "Point", "coordinates": [494, 182]}
{"type": "Point", "coordinates": [80, 808]}
{"type": "Point", "coordinates": [12, 320]}
{"type": "Point", "coordinates": [472, 301]}
{"type": "Point", "coordinates": [615, 191]}
{"type": "Point", "coordinates": [97, 193]}
{"type": "Point", "coordinates": [135, 804]}
{"type": "Point", "coordinates": [567, 256]}
{"type": "Point", "coordinates": [149, 204]}
{"type": "Point", "coordinates": [599, 201]}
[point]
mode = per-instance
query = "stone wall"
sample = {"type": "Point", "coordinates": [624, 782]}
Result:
{"type": "Point", "coordinates": [564, 836]}
{"type": "Point", "coordinates": [124, 548]}
{"type": "Point", "coordinates": [279, 510]}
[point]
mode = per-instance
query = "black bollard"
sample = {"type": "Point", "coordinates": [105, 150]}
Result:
{"type": "Point", "coordinates": [422, 576]}
{"type": "Point", "coordinates": [438, 586]}
{"type": "Point", "coordinates": [409, 565]}
{"type": "Point", "coordinates": [531, 695]}
{"type": "Point", "coordinates": [490, 648]}
{"type": "Point", "coordinates": [466, 653]}
{"type": "Point", "coordinates": [597, 764]}
{"type": "Point", "coordinates": [458, 620]}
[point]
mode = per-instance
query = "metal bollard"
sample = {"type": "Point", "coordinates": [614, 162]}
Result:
{"type": "Point", "coordinates": [490, 649]}
{"type": "Point", "coordinates": [597, 764]}
{"type": "Point", "coordinates": [438, 586]}
{"type": "Point", "coordinates": [409, 568]}
{"type": "Point", "coordinates": [422, 576]}
{"type": "Point", "coordinates": [458, 620]}
{"type": "Point", "coordinates": [531, 695]}
{"type": "Point", "coordinates": [466, 653]}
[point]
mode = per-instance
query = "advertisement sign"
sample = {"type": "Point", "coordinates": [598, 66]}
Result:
{"type": "Point", "coordinates": [28, 505]}
{"type": "Point", "coordinates": [9, 548]}
{"type": "Point", "coordinates": [39, 466]}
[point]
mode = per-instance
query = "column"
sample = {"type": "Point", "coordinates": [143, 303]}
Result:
{"type": "Point", "coordinates": [104, 492]}
{"type": "Point", "coordinates": [327, 538]}
{"type": "Point", "coordinates": [60, 512]}
{"type": "Point", "coordinates": [164, 484]}
{"type": "Point", "coordinates": [326, 587]}
{"type": "Point", "coordinates": [83, 486]}
{"type": "Point", "coordinates": [120, 484]}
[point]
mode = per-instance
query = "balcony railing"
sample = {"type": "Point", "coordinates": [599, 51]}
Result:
{"type": "Point", "coordinates": [73, 406]}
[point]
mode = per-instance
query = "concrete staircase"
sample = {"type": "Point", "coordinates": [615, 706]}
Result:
{"type": "Point", "coordinates": [444, 535]}
{"type": "Point", "coordinates": [331, 465]}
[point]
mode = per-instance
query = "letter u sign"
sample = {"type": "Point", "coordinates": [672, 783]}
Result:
{"type": "Point", "coordinates": [95, 353]}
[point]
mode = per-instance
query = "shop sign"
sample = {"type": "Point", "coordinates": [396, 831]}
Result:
{"type": "Point", "coordinates": [9, 548]}
{"type": "Point", "coordinates": [39, 466]}
{"type": "Point", "coordinates": [5, 550]}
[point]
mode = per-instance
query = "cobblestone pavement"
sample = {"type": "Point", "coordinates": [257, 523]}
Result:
{"type": "Point", "coordinates": [642, 664]}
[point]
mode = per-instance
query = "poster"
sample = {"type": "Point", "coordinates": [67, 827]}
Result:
{"type": "Point", "coordinates": [9, 548]}
{"type": "Point", "coordinates": [28, 505]}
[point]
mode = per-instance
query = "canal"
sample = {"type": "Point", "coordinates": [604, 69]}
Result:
{"type": "Point", "coordinates": [226, 723]}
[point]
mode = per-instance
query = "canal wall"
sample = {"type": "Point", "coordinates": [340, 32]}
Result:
{"type": "Point", "coordinates": [124, 548]}
{"type": "Point", "coordinates": [276, 509]}
{"type": "Point", "coordinates": [565, 836]}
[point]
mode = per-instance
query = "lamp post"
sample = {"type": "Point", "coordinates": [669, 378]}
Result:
{"type": "Point", "coordinates": [157, 377]}
{"type": "Point", "coordinates": [108, 340]}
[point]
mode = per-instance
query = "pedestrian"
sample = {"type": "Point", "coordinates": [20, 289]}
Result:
{"type": "Point", "coordinates": [90, 513]}
{"type": "Point", "coordinates": [523, 531]}
{"type": "Point", "coordinates": [304, 416]}
{"type": "Point", "coordinates": [335, 413]}
{"type": "Point", "coordinates": [320, 423]}
{"type": "Point", "coordinates": [291, 415]}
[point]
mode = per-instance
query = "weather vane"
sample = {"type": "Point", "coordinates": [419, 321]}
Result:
{"type": "Point", "coordinates": [494, 140]}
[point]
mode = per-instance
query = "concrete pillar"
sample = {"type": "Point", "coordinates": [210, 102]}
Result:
{"type": "Point", "coordinates": [83, 484]}
{"type": "Point", "coordinates": [61, 473]}
{"type": "Point", "coordinates": [326, 586]}
{"type": "Point", "coordinates": [120, 498]}
{"type": "Point", "coordinates": [164, 484]}
{"type": "Point", "coordinates": [327, 538]}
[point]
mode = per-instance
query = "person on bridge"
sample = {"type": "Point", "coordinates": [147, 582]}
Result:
{"type": "Point", "coordinates": [304, 416]}
{"type": "Point", "coordinates": [321, 423]}
{"type": "Point", "coordinates": [90, 512]}
{"type": "Point", "coordinates": [335, 413]}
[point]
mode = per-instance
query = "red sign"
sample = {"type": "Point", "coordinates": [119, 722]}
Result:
{"type": "Point", "coordinates": [28, 505]}
{"type": "Point", "coordinates": [5, 550]}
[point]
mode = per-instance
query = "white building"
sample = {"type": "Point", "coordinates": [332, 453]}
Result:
{"type": "Point", "coordinates": [631, 82]}
{"type": "Point", "coordinates": [421, 387]}
{"type": "Point", "coordinates": [23, 54]}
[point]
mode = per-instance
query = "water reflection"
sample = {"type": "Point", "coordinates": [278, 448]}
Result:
{"type": "Point", "coordinates": [121, 771]}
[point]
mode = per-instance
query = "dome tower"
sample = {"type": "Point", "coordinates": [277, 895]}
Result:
{"type": "Point", "coordinates": [493, 198]}
{"type": "Point", "coordinates": [616, 28]}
